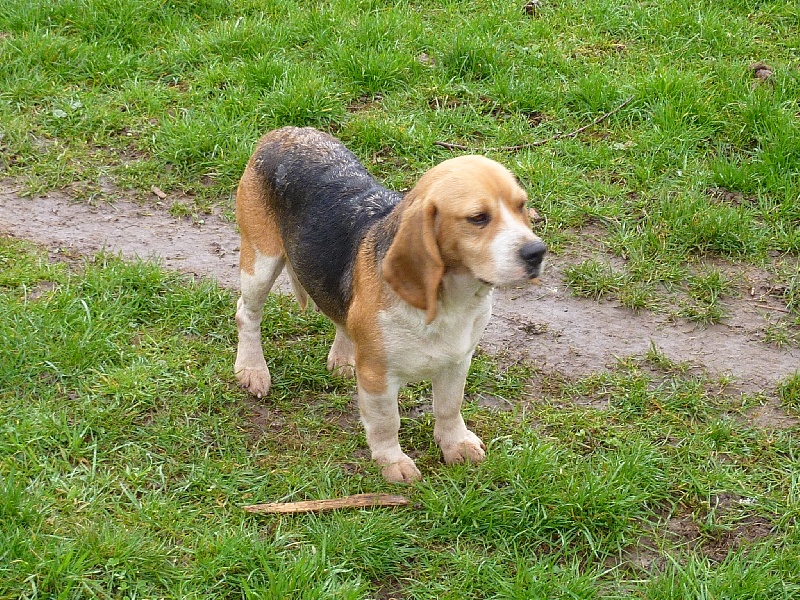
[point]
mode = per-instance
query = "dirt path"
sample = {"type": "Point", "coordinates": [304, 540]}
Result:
{"type": "Point", "coordinates": [556, 331]}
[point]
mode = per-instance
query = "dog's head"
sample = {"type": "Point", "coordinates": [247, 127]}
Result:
{"type": "Point", "coordinates": [466, 215]}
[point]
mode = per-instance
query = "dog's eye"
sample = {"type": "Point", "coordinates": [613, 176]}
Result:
{"type": "Point", "coordinates": [480, 219]}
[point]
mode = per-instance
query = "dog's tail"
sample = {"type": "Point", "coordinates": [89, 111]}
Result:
{"type": "Point", "coordinates": [300, 293]}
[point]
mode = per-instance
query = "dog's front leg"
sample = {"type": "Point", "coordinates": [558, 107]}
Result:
{"type": "Point", "coordinates": [456, 441]}
{"type": "Point", "coordinates": [381, 418]}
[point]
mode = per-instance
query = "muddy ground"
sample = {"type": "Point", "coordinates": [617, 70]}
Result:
{"type": "Point", "coordinates": [545, 324]}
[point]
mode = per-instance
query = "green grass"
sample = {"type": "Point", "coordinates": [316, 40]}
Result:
{"type": "Point", "coordinates": [789, 392]}
{"type": "Point", "coordinates": [702, 164]}
{"type": "Point", "coordinates": [125, 447]}
{"type": "Point", "coordinates": [127, 450]}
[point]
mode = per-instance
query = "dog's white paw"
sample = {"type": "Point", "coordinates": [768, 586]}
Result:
{"type": "Point", "coordinates": [402, 471]}
{"type": "Point", "coordinates": [342, 355]}
{"type": "Point", "coordinates": [468, 447]}
{"type": "Point", "coordinates": [342, 366]}
{"type": "Point", "coordinates": [255, 381]}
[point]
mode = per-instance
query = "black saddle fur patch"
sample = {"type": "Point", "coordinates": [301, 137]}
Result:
{"type": "Point", "coordinates": [325, 203]}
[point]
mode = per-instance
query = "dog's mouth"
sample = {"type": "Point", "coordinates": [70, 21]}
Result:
{"type": "Point", "coordinates": [523, 276]}
{"type": "Point", "coordinates": [534, 274]}
{"type": "Point", "coordinates": [534, 279]}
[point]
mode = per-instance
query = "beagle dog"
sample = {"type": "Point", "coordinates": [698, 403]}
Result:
{"type": "Point", "coordinates": [406, 279]}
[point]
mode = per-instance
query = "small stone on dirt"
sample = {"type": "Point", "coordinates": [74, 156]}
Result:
{"type": "Point", "coordinates": [157, 191]}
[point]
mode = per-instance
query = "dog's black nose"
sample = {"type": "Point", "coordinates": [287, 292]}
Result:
{"type": "Point", "coordinates": [533, 253]}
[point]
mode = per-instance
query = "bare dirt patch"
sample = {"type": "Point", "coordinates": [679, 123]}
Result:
{"type": "Point", "coordinates": [545, 324]}
{"type": "Point", "coordinates": [723, 526]}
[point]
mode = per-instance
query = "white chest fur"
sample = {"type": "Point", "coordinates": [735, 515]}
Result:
{"type": "Point", "coordinates": [416, 350]}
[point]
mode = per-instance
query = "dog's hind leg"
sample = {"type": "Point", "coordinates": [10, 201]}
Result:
{"type": "Point", "coordinates": [261, 259]}
{"type": "Point", "coordinates": [342, 356]}
{"type": "Point", "coordinates": [300, 294]}
{"type": "Point", "coordinates": [250, 367]}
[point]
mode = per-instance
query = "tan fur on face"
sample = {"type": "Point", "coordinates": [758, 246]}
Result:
{"type": "Point", "coordinates": [436, 234]}
{"type": "Point", "coordinates": [470, 186]}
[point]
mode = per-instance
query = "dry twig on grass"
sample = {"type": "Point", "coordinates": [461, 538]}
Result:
{"type": "Point", "coordinates": [558, 136]}
{"type": "Point", "coordinates": [315, 506]}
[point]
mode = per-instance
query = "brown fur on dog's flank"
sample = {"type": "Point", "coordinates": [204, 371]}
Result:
{"type": "Point", "coordinates": [256, 222]}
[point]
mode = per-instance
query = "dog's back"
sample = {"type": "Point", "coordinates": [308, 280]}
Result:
{"type": "Point", "coordinates": [324, 202]}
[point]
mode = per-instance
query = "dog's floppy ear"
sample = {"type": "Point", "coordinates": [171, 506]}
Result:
{"type": "Point", "coordinates": [413, 266]}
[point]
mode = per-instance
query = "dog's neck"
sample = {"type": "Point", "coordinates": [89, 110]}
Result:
{"type": "Point", "coordinates": [458, 286]}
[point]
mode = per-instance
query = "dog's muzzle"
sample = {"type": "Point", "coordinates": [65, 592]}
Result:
{"type": "Point", "coordinates": [532, 254]}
